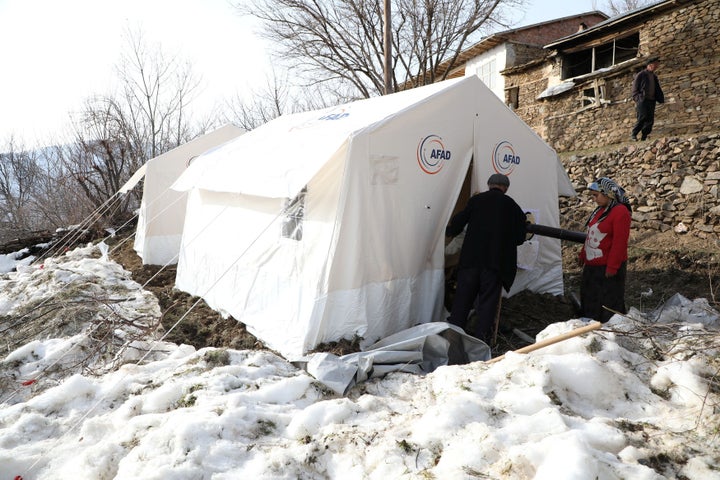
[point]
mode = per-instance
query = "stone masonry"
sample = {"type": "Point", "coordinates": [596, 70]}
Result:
{"type": "Point", "coordinates": [672, 182]}
{"type": "Point", "coordinates": [685, 38]}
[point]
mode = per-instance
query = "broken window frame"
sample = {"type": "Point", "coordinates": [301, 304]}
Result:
{"type": "Point", "coordinates": [593, 95]}
{"type": "Point", "coordinates": [603, 54]}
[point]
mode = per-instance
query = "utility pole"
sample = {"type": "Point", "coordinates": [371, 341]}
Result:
{"type": "Point", "coordinates": [387, 39]}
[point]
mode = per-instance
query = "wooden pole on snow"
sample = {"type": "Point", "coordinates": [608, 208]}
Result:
{"type": "Point", "coordinates": [549, 341]}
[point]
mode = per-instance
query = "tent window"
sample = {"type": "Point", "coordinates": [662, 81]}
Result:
{"type": "Point", "coordinates": [294, 212]}
{"type": "Point", "coordinates": [601, 56]}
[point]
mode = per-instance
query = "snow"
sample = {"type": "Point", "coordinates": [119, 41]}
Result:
{"type": "Point", "coordinates": [10, 261]}
{"type": "Point", "coordinates": [89, 390]}
{"type": "Point", "coordinates": [557, 89]}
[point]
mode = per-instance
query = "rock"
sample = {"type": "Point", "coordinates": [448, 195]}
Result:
{"type": "Point", "coordinates": [680, 228]}
{"type": "Point", "coordinates": [691, 185]}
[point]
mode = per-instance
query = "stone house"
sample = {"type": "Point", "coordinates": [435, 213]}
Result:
{"type": "Point", "coordinates": [578, 96]}
{"type": "Point", "coordinates": [509, 48]}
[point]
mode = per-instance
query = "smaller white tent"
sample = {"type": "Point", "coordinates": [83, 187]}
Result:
{"type": "Point", "coordinates": [162, 210]}
{"type": "Point", "coordinates": [330, 224]}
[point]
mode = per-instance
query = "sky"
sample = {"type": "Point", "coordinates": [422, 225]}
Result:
{"type": "Point", "coordinates": [56, 53]}
{"type": "Point", "coordinates": [590, 407]}
{"type": "Point", "coordinates": [62, 51]}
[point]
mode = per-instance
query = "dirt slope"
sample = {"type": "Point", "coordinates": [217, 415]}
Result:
{"type": "Point", "coordinates": [667, 263]}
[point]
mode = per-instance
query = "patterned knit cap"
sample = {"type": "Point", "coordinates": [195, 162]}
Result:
{"type": "Point", "coordinates": [609, 188]}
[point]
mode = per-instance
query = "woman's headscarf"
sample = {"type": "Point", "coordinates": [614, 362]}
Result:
{"type": "Point", "coordinates": [609, 188]}
{"type": "Point", "coordinates": [613, 191]}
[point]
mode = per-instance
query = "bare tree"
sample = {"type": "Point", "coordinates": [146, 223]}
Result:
{"type": "Point", "coordinates": [156, 94]}
{"type": "Point", "coordinates": [263, 106]}
{"type": "Point", "coordinates": [18, 174]}
{"type": "Point", "coordinates": [36, 192]}
{"type": "Point", "coordinates": [340, 42]}
{"type": "Point", "coordinates": [278, 97]}
{"type": "Point", "coordinates": [106, 150]}
{"type": "Point", "coordinates": [618, 7]}
{"type": "Point", "coordinates": [56, 200]}
{"type": "Point", "coordinates": [116, 134]}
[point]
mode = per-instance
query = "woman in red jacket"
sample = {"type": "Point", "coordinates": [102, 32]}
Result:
{"type": "Point", "coordinates": [604, 254]}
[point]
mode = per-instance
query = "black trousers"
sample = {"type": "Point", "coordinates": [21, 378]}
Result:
{"type": "Point", "coordinates": [597, 291]}
{"type": "Point", "coordinates": [645, 110]}
{"type": "Point", "coordinates": [484, 285]}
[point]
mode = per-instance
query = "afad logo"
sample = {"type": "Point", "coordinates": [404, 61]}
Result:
{"type": "Point", "coordinates": [336, 114]}
{"type": "Point", "coordinates": [504, 158]}
{"type": "Point", "coordinates": [432, 154]}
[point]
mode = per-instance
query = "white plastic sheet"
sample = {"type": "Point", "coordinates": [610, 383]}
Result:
{"type": "Point", "coordinates": [419, 350]}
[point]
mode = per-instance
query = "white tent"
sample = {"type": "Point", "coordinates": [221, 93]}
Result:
{"type": "Point", "coordinates": [329, 224]}
{"type": "Point", "coordinates": [162, 210]}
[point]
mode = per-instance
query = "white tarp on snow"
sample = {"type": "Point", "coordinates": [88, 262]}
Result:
{"type": "Point", "coordinates": [420, 349]}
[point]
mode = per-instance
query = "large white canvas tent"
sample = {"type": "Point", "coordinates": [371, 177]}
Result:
{"type": "Point", "coordinates": [162, 210]}
{"type": "Point", "coordinates": [330, 224]}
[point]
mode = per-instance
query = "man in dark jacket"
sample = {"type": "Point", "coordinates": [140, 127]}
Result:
{"type": "Point", "coordinates": [646, 92]}
{"type": "Point", "coordinates": [488, 258]}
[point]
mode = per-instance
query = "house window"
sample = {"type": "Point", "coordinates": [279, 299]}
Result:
{"type": "Point", "coordinates": [486, 72]}
{"type": "Point", "coordinates": [588, 98]}
{"type": "Point", "coordinates": [600, 56]}
{"type": "Point", "coordinates": [593, 95]}
{"type": "Point", "coordinates": [513, 97]}
{"type": "Point", "coordinates": [292, 226]}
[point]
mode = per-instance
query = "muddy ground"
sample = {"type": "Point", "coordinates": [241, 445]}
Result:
{"type": "Point", "coordinates": [666, 263]}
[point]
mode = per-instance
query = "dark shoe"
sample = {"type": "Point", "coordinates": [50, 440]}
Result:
{"type": "Point", "coordinates": [633, 138]}
{"type": "Point", "coordinates": [643, 138]}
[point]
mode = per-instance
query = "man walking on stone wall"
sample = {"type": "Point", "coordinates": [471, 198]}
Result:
{"type": "Point", "coordinates": [646, 92]}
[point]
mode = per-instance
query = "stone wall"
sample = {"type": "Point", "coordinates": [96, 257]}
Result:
{"type": "Point", "coordinates": [533, 81]}
{"type": "Point", "coordinates": [686, 40]}
{"type": "Point", "coordinates": [521, 53]}
{"type": "Point", "coordinates": [672, 183]}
